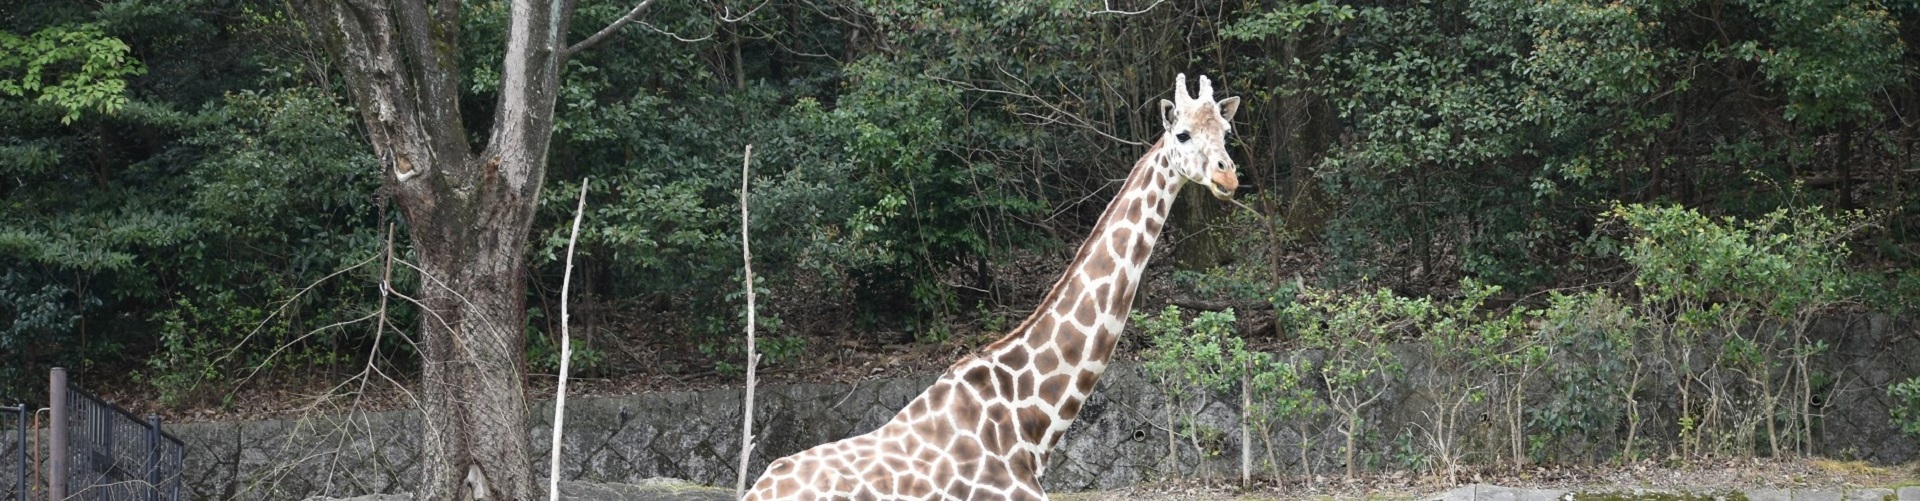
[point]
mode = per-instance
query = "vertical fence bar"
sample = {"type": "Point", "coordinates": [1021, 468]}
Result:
{"type": "Point", "coordinates": [153, 457]}
{"type": "Point", "coordinates": [179, 468]}
{"type": "Point", "coordinates": [101, 454]}
{"type": "Point", "coordinates": [22, 409]}
{"type": "Point", "coordinates": [57, 435]}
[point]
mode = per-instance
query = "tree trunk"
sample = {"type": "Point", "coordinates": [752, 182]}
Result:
{"type": "Point", "coordinates": [468, 215]}
{"type": "Point", "coordinates": [1305, 130]}
{"type": "Point", "coordinates": [1195, 215]}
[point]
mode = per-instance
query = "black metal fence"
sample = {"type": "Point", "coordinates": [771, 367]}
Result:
{"type": "Point", "coordinates": [13, 452]}
{"type": "Point", "coordinates": [113, 455]}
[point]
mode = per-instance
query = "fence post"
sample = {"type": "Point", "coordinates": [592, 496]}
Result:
{"type": "Point", "coordinates": [153, 457]}
{"type": "Point", "coordinates": [22, 484]}
{"type": "Point", "coordinates": [57, 435]}
{"type": "Point", "coordinates": [179, 470]}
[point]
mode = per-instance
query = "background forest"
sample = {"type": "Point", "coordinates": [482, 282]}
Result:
{"type": "Point", "coordinates": [187, 194]}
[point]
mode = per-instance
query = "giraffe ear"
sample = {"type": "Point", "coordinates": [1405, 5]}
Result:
{"type": "Point", "coordinates": [1166, 114]}
{"type": "Point", "coordinates": [1228, 106]}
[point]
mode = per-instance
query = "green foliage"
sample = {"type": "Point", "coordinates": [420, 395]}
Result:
{"type": "Point", "coordinates": [1833, 58]}
{"type": "Point", "coordinates": [1195, 360]}
{"type": "Point", "coordinates": [868, 191]}
{"type": "Point", "coordinates": [543, 357]}
{"type": "Point", "coordinates": [1287, 20]}
{"type": "Point", "coordinates": [72, 67]}
{"type": "Point", "coordinates": [1193, 357]}
{"type": "Point", "coordinates": [1356, 332]}
{"type": "Point", "coordinates": [1482, 132]}
{"type": "Point", "coordinates": [1283, 392]}
{"type": "Point", "coordinates": [186, 227]}
{"type": "Point", "coordinates": [1905, 408]}
{"type": "Point", "coordinates": [1747, 290]}
{"type": "Point", "coordinates": [1598, 372]}
{"type": "Point", "coordinates": [1355, 335]}
{"type": "Point", "coordinates": [194, 345]}
{"type": "Point", "coordinates": [1780, 265]}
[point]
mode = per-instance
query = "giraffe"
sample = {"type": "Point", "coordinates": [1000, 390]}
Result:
{"type": "Point", "coordinates": [985, 428]}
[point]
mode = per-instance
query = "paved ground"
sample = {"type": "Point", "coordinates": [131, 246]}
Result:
{"type": "Point", "coordinates": [1496, 493]}
{"type": "Point", "coordinates": [1731, 480]}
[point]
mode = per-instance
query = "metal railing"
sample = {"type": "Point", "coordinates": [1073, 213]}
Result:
{"type": "Point", "coordinates": [13, 452]}
{"type": "Point", "coordinates": [110, 454]}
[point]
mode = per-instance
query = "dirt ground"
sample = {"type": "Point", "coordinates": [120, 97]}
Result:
{"type": "Point", "coordinates": [1719, 476]}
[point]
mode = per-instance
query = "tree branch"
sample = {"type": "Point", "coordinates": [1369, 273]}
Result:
{"type": "Point", "coordinates": [607, 31]}
{"type": "Point", "coordinates": [1108, 9]}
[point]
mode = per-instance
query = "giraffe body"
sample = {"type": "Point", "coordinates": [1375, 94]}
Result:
{"type": "Point", "coordinates": [984, 429]}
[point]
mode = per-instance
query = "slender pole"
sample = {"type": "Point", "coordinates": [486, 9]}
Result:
{"type": "Point", "coordinates": [566, 353]}
{"type": "Point", "coordinates": [753, 357]}
{"type": "Point", "coordinates": [22, 485]}
{"type": "Point", "coordinates": [153, 457]}
{"type": "Point", "coordinates": [57, 435]}
{"type": "Point", "coordinates": [1246, 433]}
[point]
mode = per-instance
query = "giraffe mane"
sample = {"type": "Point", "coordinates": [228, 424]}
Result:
{"type": "Point", "coordinates": [1053, 293]}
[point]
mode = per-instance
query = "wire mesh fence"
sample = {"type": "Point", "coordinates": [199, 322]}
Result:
{"type": "Point", "coordinates": [114, 455]}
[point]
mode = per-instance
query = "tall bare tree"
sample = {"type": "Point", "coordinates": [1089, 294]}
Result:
{"type": "Point", "coordinates": [468, 209]}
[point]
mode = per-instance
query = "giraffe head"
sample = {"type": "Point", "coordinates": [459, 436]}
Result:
{"type": "Point", "coordinates": [1196, 136]}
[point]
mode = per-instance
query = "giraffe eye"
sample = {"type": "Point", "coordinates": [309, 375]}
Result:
{"type": "Point", "coordinates": [1183, 137]}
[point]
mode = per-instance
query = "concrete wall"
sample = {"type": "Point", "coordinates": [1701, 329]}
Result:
{"type": "Point", "coordinates": [1119, 439]}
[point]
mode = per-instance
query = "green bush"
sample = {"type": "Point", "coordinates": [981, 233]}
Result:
{"type": "Point", "coordinates": [1193, 360]}
{"type": "Point", "coordinates": [1354, 335]}
{"type": "Point", "coordinates": [1906, 406]}
{"type": "Point", "coordinates": [1749, 291]}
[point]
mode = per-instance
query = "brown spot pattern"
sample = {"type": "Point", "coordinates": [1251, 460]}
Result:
{"type": "Point", "coordinates": [1073, 345]}
{"type": "Point", "coordinates": [1103, 347]}
{"type": "Point", "coordinates": [1068, 297]}
{"type": "Point", "coordinates": [1085, 313]}
{"type": "Point", "coordinates": [1033, 422]}
{"type": "Point", "coordinates": [977, 377]}
{"type": "Point", "coordinates": [1085, 383]}
{"type": "Point", "coordinates": [1069, 409]}
{"type": "Point", "coordinates": [1055, 387]}
{"type": "Point", "coordinates": [1039, 335]}
{"type": "Point", "coordinates": [1046, 361]}
{"type": "Point", "coordinates": [1014, 358]}
{"type": "Point", "coordinates": [1099, 265]}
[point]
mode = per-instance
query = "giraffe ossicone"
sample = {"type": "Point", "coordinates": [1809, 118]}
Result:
{"type": "Point", "coordinates": [986, 428]}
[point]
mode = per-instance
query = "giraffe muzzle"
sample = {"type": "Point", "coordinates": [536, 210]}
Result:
{"type": "Point", "coordinates": [1224, 183]}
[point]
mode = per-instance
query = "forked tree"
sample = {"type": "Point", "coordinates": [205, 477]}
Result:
{"type": "Point", "coordinates": [468, 209]}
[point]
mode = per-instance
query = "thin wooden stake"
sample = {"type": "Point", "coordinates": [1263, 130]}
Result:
{"type": "Point", "coordinates": [753, 357]}
{"type": "Point", "coordinates": [566, 352]}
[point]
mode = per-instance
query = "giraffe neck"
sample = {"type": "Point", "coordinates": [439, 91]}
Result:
{"type": "Point", "coordinates": [1065, 345]}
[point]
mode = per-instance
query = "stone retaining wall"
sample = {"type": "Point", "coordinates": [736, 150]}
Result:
{"type": "Point", "coordinates": [1118, 440]}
